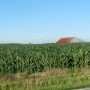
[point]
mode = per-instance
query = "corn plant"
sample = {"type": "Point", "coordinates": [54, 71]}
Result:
{"type": "Point", "coordinates": [31, 58]}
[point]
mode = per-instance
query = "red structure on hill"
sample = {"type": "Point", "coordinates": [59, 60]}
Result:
{"type": "Point", "coordinates": [69, 40]}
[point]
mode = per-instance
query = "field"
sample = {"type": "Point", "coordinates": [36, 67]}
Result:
{"type": "Point", "coordinates": [44, 66]}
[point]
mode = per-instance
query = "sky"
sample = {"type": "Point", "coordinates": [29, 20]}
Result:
{"type": "Point", "coordinates": [43, 21]}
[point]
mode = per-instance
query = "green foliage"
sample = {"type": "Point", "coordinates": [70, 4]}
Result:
{"type": "Point", "coordinates": [31, 58]}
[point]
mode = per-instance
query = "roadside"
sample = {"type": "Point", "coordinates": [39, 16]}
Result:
{"type": "Point", "coordinates": [83, 89]}
{"type": "Point", "coordinates": [55, 79]}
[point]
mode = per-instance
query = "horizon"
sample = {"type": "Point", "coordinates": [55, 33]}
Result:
{"type": "Point", "coordinates": [84, 41]}
{"type": "Point", "coordinates": [47, 21]}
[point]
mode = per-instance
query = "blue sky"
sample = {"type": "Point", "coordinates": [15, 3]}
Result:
{"type": "Point", "coordinates": [43, 21]}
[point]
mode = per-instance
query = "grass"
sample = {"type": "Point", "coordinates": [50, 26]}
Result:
{"type": "Point", "coordinates": [55, 79]}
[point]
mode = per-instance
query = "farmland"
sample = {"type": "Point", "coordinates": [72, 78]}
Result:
{"type": "Point", "coordinates": [38, 58]}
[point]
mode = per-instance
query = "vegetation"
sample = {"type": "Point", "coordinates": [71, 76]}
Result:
{"type": "Point", "coordinates": [30, 58]}
{"type": "Point", "coordinates": [55, 79]}
{"type": "Point", "coordinates": [44, 66]}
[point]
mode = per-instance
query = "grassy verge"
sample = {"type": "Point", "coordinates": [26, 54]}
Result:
{"type": "Point", "coordinates": [55, 79]}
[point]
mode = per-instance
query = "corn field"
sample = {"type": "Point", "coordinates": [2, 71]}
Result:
{"type": "Point", "coordinates": [29, 58]}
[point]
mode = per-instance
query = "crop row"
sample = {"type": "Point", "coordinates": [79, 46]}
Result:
{"type": "Point", "coordinates": [31, 58]}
